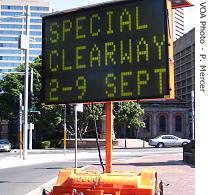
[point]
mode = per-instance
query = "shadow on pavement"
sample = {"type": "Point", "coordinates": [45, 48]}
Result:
{"type": "Point", "coordinates": [167, 163]}
{"type": "Point", "coordinates": [3, 182]}
{"type": "Point", "coordinates": [49, 168]}
{"type": "Point", "coordinates": [54, 168]}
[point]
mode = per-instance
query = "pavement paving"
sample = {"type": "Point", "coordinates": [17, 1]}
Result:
{"type": "Point", "coordinates": [171, 170]}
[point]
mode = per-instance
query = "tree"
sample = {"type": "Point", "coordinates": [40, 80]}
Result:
{"type": "Point", "coordinates": [86, 119]}
{"type": "Point", "coordinates": [129, 114]}
{"type": "Point", "coordinates": [10, 87]}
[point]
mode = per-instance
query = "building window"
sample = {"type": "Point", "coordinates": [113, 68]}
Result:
{"type": "Point", "coordinates": [36, 33]}
{"type": "Point", "coordinates": [11, 13]}
{"type": "Point", "coordinates": [12, 58]}
{"type": "Point", "coordinates": [36, 20]}
{"type": "Point", "coordinates": [8, 51]}
{"type": "Point", "coordinates": [35, 52]}
{"type": "Point", "coordinates": [35, 39]}
{"type": "Point", "coordinates": [9, 7]}
{"type": "Point", "coordinates": [36, 8]}
{"type": "Point", "coordinates": [11, 32]}
{"type": "Point", "coordinates": [11, 19]}
{"type": "Point", "coordinates": [9, 64]}
{"type": "Point", "coordinates": [35, 27]}
{"type": "Point", "coordinates": [15, 26]}
{"type": "Point", "coordinates": [162, 123]}
{"type": "Point", "coordinates": [9, 45]}
{"type": "Point", "coordinates": [36, 14]}
{"type": "Point", "coordinates": [35, 46]}
{"type": "Point", "coordinates": [178, 123]}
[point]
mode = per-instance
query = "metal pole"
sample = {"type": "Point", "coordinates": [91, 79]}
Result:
{"type": "Point", "coordinates": [193, 114]}
{"type": "Point", "coordinates": [75, 126]}
{"type": "Point", "coordinates": [30, 98]}
{"type": "Point", "coordinates": [30, 108]}
{"type": "Point", "coordinates": [108, 137]}
{"type": "Point", "coordinates": [64, 136]}
{"type": "Point", "coordinates": [25, 136]}
{"type": "Point", "coordinates": [20, 123]}
{"type": "Point", "coordinates": [125, 135]}
{"type": "Point", "coordinates": [32, 82]}
{"type": "Point", "coordinates": [30, 136]}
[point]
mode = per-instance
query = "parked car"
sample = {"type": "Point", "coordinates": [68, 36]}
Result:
{"type": "Point", "coordinates": [168, 140]}
{"type": "Point", "coordinates": [5, 145]}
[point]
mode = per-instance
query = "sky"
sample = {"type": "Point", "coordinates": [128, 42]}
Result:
{"type": "Point", "coordinates": [59, 5]}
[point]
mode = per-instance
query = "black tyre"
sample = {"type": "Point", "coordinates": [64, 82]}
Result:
{"type": "Point", "coordinates": [160, 145]}
{"type": "Point", "coordinates": [44, 192]}
{"type": "Point", "coordinates": [161, 187]}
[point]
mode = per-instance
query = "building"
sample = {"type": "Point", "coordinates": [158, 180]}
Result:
{"type": "Point", "coordinates": [13, 24]}
{"type": "Point", "coordinates": [184, 66]}
{"type": "Point", "coordinates": [165, 117]}
{"type": "Point", "coordinates": [178, 23]}
{"type": "Point", "coordinates": [161, 117]}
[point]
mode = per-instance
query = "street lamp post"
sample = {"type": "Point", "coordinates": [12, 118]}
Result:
{"type": "Point", "coordinates": [20, 123]}
{"type": "Point", "coordinates": [25, 135]}
{"type": "Point", "coordinates": [64, 137]}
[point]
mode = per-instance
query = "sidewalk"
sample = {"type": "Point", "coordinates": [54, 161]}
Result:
{"type": "Point", "coordinates": [37, 158]}
{"type": "Point", "coordinates": [171, 170]}
{"type": "Point", "coordinates": [117, 143]}
{"type": "Point", "coordinates": [44, 158]}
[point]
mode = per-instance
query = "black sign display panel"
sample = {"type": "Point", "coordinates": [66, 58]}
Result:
{"type": "Point", "coordinates": [109, 52]}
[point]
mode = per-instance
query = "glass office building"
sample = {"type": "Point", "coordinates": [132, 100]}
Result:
{"type": "Point", "coordinates": [13, 24]}
{"type": "Point", "coordinates": [178, 23]}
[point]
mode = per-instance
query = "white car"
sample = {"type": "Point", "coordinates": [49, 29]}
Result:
{"type": "Point", "coordinates": [5, 145]}
{"type": "Point", "coordinates": [168, 140]}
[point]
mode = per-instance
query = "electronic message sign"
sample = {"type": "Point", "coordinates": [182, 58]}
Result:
{"type": "Point", "coordinates": [108, 52]}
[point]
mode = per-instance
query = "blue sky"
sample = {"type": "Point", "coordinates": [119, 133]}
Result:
{"type": "Point", "coordinates": [68, 4]}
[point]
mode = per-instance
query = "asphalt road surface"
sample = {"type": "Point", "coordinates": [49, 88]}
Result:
{"type": "Point", "coordinates": [20, 180]}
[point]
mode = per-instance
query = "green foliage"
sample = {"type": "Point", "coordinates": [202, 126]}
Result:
{"type": "Point", "coordinates": [56, 143]}
{"type": "Point", "coordinates": [45, 144]}
{"type": "Point", "coordinates": [10, 87]}
{"type": "Point", "coordinates": [91, 111]}
{"type": "Point", "coordinates": [129, 113]}
{"type": "Point", "coordinates": [50, 118]}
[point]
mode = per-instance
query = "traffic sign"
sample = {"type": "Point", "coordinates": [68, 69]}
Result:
{"type": "Point", "coordinates": [108, 52]}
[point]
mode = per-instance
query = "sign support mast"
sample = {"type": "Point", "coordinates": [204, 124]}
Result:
{"type": "Point", "coordinates": [108, 107]}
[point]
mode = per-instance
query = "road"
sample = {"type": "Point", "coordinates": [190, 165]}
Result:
{"type": "Point", "coordinates": [20, 180]}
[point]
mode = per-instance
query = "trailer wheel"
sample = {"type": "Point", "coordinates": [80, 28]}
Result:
{"type": "Point", "coordinates": [161, 187]}
{"type": "Point", "coordinates": [44, 192]}
{"type": "Point", "coordinates": [161, 192]}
